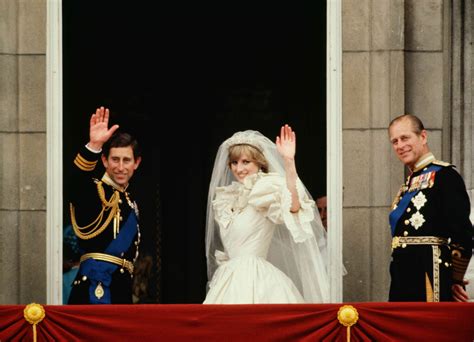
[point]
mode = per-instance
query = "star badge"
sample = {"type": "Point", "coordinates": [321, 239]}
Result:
{"type": "Point", "coordinates": [417, 220]}
{"type": "Point", "coordinates": [419, 200]}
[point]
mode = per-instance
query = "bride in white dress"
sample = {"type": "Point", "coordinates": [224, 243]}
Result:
{"type": "Point", "coordinates": [263, 232]}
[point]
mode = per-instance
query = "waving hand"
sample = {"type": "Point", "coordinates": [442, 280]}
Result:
{"type": "Point", "coordinates": [286, 142]}
{"type": "Point", "coordinates": [99, 132]}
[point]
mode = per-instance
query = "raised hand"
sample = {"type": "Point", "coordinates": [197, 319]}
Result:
{"type": "Point", "coordinates": [286, 142]}
{"type": "Point", "coordinates": [99, 131]}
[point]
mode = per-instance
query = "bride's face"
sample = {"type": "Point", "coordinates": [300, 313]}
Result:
{"type": "Point", "coordinates": [243, 167]}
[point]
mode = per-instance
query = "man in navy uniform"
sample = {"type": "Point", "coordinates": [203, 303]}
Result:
{"type": "Point", "coordinates": [432, 233]}
{"type": "Point", "coordinates": [104, 216]}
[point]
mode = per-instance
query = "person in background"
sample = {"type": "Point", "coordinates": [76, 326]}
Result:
{"type": "Point", "coordinates": [321, 203]}
{"type": "Point", "coordinates": [71, 255]}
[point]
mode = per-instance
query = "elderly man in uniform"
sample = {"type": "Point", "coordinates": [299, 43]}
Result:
{"type": "Point", "coordinates": [104, 216]}
{"type": "Point", "coordinates": [432, 233]}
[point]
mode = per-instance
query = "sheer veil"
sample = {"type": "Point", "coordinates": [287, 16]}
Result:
{"type": "Point", "coordinates": [305, 261]}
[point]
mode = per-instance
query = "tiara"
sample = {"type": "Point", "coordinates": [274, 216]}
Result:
{"type": "Point", "coordinates": [245, 138]}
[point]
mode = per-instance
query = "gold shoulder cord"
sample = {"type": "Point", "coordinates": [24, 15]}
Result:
{"type": "Point", "coordinates": [95, 228]}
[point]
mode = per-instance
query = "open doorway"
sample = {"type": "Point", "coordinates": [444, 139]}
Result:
{"type": "Point", "coordinates": [165, 73]}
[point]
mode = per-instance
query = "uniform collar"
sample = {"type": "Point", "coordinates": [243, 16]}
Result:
{"type": "Point", "coordinates": [424, 161]}
{"type": "Point", "coordinates": [107, 180]}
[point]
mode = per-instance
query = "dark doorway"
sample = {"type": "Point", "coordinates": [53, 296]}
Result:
{"type": "Point", "coordinates": [164, 73]}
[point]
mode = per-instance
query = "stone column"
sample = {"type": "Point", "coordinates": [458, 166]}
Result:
{"type": "Point", "coordinates": [462, 129]}
{"type": "Point", "coordinates": [427, 64]}
{"type": "Point", "coordinates": [373, 94]}
{"type": "Point", "coordinates": [22, 151]}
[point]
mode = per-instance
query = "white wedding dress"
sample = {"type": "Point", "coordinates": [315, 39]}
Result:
{"type": "Point", "coordinates": [247, 215]}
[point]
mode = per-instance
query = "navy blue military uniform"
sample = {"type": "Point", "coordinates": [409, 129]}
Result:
{"type": "Point", "coordinates": [432, 233]}
{"type": "Point", "coordinates": [100, 211]}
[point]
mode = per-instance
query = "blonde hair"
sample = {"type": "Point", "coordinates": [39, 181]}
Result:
{"type": "Point", "coordinates": [252, 152]}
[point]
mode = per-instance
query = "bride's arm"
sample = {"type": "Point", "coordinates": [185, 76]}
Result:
{"type": "Point", "coordinates": [286, 146]}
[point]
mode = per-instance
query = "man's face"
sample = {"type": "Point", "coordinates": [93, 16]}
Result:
{"type": "Point", "coordinates": [120, 164]}
{"type": "Point", "coordinates": [321, 203]}
{"type": "Point", "coordinates": [408, 146]}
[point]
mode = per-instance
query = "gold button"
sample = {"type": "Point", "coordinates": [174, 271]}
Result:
{"type": "Point", "coordinates": [404, 245]}
{"type": "Point", "coordinates": [121, 218]}
{"type": "Point", "coordinates": [440, 261]}
{"type": "Point", "coordinates": [446, 264]}
{"type": "Point", "coordinates": [408, 210]}
{"type": "Point", "coordinates": [122, 271]}
{"type": "Point", "coordinates": [75, 282]}
{"type": "Point", "coordinates": [425, 169]}
{"type": "Point", "coordinates": [120, 201]}
{"type": "Point", "coordinates": [407, 222]}
{"type": "Point", "coordinates": [84, 278]}
{"type": "Point", "coordinates": [405, 233]}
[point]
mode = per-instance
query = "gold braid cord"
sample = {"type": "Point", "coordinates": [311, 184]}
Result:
{"type": "Point", "coordinates": [98, 225]}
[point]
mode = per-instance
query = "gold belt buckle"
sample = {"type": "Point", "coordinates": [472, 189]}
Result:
{"type": "Point", "coordinates": [99, 291]}
{"type": "Point", "coordinates": [395, 242]}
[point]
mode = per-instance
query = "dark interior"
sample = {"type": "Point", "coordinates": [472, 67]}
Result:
{"type": "Point", "coordinates": [182, 80]}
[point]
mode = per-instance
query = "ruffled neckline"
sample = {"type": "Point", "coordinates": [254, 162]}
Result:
{"type": "Point", "coordinates": [231, 199]}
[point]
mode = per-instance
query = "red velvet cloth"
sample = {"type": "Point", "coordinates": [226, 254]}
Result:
{"type": "Point", "coordinates": [274, 322]}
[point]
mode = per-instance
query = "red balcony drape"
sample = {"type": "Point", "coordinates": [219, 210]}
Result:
{"type": "Point", "coordinates": [275, 322]}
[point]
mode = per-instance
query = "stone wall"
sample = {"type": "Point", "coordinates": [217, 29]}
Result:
{"type": "Point", "coordinates": [22, 151]}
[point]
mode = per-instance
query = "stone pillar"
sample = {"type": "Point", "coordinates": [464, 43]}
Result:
{"type": "Point", "coordinates": [462, 129]}
{"type": "Point", "coordinates": [427, 69]}
{"type": "Point", "coordinates": [22, 151]}
{"type": "Point", "coordinates": [373, 93]}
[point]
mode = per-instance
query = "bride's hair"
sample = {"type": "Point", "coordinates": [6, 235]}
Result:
{"type": "Point", "coordinates": [235, 151]}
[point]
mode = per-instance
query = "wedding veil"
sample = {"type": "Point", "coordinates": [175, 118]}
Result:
{"type": "Point", "coordinates": [304, 262]}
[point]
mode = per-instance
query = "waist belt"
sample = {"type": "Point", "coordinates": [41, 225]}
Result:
{"type": "Point", "coordinates": [124, 263]}
{"type": "Point", "coordinates": [403, 241]}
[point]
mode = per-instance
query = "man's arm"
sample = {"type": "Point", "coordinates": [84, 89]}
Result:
{"type": "Point", "coordinates": [456, 209]}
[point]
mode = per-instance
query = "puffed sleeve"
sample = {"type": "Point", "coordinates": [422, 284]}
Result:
{"type": "Point", "coordinates": [271, 196]}
{"type": "Point", "coordinates": [222, 206]}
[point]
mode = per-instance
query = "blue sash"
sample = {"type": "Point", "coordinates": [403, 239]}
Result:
{"type": "Point", "coordinates": [403, 204]}
{"type": "Point", "coordinates": [101, 271]}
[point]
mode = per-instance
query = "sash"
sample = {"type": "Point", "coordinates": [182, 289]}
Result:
{"type": "Point", "coordinates": [406, 198]}
{"type": "Point", "coordinates": [101, 271]}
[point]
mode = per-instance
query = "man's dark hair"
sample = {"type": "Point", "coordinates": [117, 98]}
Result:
{"type": "Point", "coordinates": [121, 139]}
{"type": "Point", "coordinates": [416, 123]}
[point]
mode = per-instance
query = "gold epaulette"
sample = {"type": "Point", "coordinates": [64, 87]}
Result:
{"type": "Point", "coordinates": [441, 163]}
{"type": "Point", "coordinates": [84, 164]}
